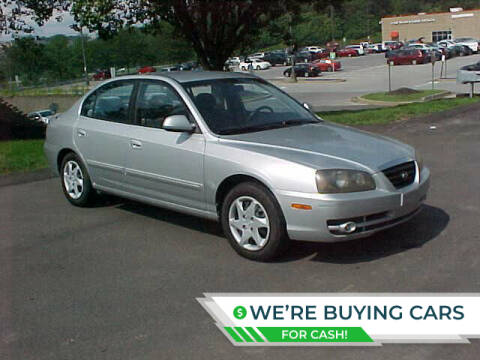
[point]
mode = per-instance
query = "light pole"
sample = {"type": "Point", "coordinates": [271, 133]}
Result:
{"type": "Point", "coordinates": [87, 82]}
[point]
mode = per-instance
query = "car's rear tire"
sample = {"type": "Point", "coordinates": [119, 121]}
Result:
{"type": "Point", "coordinates": [259, 68]}
{"type": "Point", "coordinates": [253, 222]}
{"type": "Point", "coordinates": [76, 183]}
{"type": "Point", "coordinates": [307, 74]}
{"type": "Point", "coordinates": [330, 69]}
{"type": "Point", "coordinates": [414, 62]}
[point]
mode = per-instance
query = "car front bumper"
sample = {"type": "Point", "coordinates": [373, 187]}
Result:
{"type": "Point", "coordinates": [371, 211]}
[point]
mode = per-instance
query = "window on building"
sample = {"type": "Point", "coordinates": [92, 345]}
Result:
{"type": "Point", "coordinates": [441, 35]}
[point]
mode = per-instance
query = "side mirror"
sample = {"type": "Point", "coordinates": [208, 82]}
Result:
{"type": "Point", "coordinates": [178, 123]}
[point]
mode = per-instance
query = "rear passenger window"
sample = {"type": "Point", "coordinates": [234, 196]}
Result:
{"type": "Point", "coordinates": [110, 102]}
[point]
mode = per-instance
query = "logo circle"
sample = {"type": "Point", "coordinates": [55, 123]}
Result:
{"type": "Point", "coordinates": [240, 312]}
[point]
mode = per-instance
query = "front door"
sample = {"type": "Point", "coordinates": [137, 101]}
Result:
{"type": "Point", "coordinates": [164, 165]}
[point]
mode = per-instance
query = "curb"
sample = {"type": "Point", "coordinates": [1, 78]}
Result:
{"type": "Point", "coordinates": [441, 95]}
{"type": "Point", "coordinates": [26, 177]}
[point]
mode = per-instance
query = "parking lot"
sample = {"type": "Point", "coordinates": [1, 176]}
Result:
{"type": "Point", "coordinates": [367, 74]}
{"type": "Point", "coordinates": [120, 280]}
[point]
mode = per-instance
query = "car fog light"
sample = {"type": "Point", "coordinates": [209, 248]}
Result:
{"type": "Point", "coordinates": [348, 227]}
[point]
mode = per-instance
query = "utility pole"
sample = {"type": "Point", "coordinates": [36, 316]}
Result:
{"type": "Point", "coordinates": [87, 82]}
{"type": "Point", "coordinates": [332, 22]}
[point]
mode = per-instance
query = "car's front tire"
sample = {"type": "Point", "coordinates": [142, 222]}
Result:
{"type": "Point", "coordinates": [253, 222]}
{"type": "Point", "coordinates": [76, 183]}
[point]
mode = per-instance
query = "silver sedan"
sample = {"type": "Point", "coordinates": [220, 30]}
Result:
{"type": "Point", "coordinates": [234, 148]}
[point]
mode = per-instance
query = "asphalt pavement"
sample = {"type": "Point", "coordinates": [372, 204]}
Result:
{"type": "Point", "coordinates": [119, 281]}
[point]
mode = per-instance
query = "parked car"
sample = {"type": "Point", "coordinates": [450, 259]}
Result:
{"type": "Point", "coordinates": [277, 58]}
{"type": "Point", "coordinates": [101, 75]}
{"type": "Point", "coordinates": [254, 64]}
{"type": "Point", "coordinates": [375, 48]}
{"type": "Point", "coordinates": [303, 70]}
{"type": "Point", "coordinates": [446, 43]}
{"type": "Point", "coordinates": [346, 52]}
{"type": "Point", "coordinates": [170, 68]}
{"type": "Point", "coordinates": [258, 55]}
{"type": "Point", "coordinates": [235, 61]}
{"type": "Point", "coordinates": [188, 66]}
{"type": "Point", "coordinates": [327, 65]}
{"type": "Point", "coordinates": [358, 48]}
{"type": "Point", "coordinates": [462, 50]}
{"type": "Point", "coordinates": [42, 116]}
{"type": "Point", "coordinates": [313, 49]}
{"type": "Point", "coordinates": [305, 56]}
{"type": "Point", "coordinates": [470, 42]}
{"type": "Point", "coordinates": [146, 70]}
{"type": "Point", "coordinates": [392, 45]}
{"type": "Point", "coordinates": [234, 148]}
{"type": "Point", "coordinates": [408, 56]}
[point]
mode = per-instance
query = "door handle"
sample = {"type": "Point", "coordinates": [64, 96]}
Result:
{"type": "Point", "coordinates": [135, 144]}
{"type": "Point", "coordinates": [81, 132]}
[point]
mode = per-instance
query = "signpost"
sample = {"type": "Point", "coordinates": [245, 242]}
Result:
{"type": "Point", "coordinates": [390, 65]}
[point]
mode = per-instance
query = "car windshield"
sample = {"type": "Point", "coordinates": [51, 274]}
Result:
{"type": "Point", "coordinates": [46, 113]}
{"type": "Point", "coordinates": [235, 106]}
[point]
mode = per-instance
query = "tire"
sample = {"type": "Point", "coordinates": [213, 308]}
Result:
{"type": "Point", "coordinates": [306, 74]}
{"type": "Point", "coordinates": [414, 62]}
{"type": "Point", "coordinates": [71, 171]}
{"type": "Point", "coordinates": [271, 240]}
{"type": "Point", "coordinates": [330, 69]}
{"type": "Point", "coordinates": [259, 68]}
{"type": "Point", "coordinates": [243, 68]}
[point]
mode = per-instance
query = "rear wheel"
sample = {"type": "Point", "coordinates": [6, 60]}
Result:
{"type": "Point", "coordinates": [330, 69]}
{"type": "Point", "coordinates": [307, 74]}
{"type": "Point", "coordinates": [258, 68]}
{"type": "Point", "coordinates": [253, 222]}
{"type": "Point", "coordinates": [414, 62]}
{"type": "Point", "coordinates": [76, 183]}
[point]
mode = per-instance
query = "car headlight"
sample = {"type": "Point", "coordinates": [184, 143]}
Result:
{"type": "Point", "coordinates": [419, 160]}
{"type": "Point", "coordinates": [343, 181]}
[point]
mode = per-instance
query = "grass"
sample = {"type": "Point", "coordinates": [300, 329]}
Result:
{"type": "Point", "coordinates": [397, 113]}
{"type": "Point", "coordinates": [21, 155]}
{"type": "Point", "coordinates": [385, 96]}
{"type": "Point", "coordinates": [72, 90]}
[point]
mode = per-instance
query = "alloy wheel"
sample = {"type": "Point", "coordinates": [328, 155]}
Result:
{"type": "Point", "coordinates": [73, 179]}
{"type": "Point", "coordinates": [249, 223]}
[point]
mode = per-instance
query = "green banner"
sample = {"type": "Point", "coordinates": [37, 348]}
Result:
{"type": "Point", "coordinates": [299, 334]}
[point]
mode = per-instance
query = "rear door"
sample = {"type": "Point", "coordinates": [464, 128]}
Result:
{"type": "Point", "coordinates": [102, 132]}
{"type": "Point", "coordinates": [161, 164]}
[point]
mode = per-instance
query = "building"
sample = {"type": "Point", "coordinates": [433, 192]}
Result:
{"type": "Point", "coordinates": [456, 23]}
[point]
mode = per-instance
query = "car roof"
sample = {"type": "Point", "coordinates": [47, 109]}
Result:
{"type": "Point", "coordinates": [187, 76]}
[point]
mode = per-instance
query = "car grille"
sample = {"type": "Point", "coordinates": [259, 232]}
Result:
{"type": "Point", "coordinates": [401, 175]}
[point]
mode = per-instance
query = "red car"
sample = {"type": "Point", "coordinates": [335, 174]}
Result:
{"type": "Point", "coordinates": [408, 56]}
{"type": "Point", "coordinates": [147, 69]}
{"type": "Point", "coordinates": [327, 65]}
{"type": "Point", "coordinates": [347, 52]}
{"type": "Point", "coordinates": [102, 75]}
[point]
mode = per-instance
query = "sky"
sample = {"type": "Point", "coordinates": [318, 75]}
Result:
{"type": "Point", "coordinates": [52, 27]}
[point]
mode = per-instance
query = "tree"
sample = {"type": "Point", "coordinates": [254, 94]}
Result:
{"type": "Point", "coordinates": [215, 28]}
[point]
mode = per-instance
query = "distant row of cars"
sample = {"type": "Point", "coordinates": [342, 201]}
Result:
{"type": "Point", "coordinates": [421, 53]}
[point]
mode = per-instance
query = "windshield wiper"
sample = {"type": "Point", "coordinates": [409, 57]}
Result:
{"type": "Point", "coordinates": [264, 127]}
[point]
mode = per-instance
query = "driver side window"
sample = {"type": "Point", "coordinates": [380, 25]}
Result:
{"type": "Point", "coordinates": [155, 102]}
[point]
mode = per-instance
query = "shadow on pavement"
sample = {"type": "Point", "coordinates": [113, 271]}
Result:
{"type": "Point", "coordinates": [426, 226]}
{"type": "Point", "coordinates": [172, 217]}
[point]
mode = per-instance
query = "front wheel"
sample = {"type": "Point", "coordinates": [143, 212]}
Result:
{"type": "Point", "coordinates": [76, 183]}
{"type": "Point", "coordinates": [258, 68]}
{"type": "Point", "coordinates": [253, 222]}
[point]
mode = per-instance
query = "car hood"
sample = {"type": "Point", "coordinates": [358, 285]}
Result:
{"type": "Point", "coordinates": [326, 145]}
